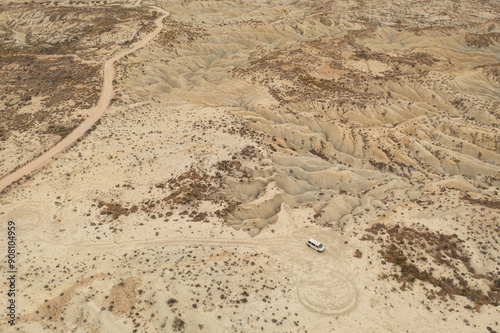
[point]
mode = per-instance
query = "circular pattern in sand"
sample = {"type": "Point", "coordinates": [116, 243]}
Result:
{"type": "Point", "coordinates": [328, 293]}
{"type": "Point", "coordinates": [28, 215]}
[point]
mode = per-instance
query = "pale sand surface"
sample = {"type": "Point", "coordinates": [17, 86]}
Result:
{"type": "Point", "coordinates": [243, 129]}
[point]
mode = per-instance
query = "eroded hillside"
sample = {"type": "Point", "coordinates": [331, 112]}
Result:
{"type": "Point", "coordinates": [240, 131]}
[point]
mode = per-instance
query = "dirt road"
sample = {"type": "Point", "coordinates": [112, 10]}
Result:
{"type": "Point", "coordinates": [95, 115]}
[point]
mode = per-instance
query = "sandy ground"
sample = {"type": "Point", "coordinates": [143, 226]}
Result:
{"type": "Point", "coordinates": [240, 131]}
{"type": "Point", "coordinates": [92, 118]}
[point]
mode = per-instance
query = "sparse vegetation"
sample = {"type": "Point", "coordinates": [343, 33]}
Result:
{"type": "Point", "coordinates": [178, 325]}
{"type": "Point", "coordinates": [59, 130]}
{"type": "Point", "coordinates": [490, 203]}
{"type": "Point", "coordinates": [55, 70]}
{"type": "Point", "coordinates": [293, 120]}
{"type": "Point", "coordinates": [410, 250]}
{"type": "Point", "coordinates": [113, 209]}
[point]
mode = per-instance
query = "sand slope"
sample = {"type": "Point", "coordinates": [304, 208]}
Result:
{"type": "Point", "coordinates": [242, 129]}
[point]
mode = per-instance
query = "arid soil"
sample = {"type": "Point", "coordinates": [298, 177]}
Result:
{"type": "Point", "coordinates": [51, 58]}
{"type": "Point", "coordinates": [238, 132]}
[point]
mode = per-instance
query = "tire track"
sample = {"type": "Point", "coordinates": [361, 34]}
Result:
{"type": "Point", "coordinates": [95, 115]}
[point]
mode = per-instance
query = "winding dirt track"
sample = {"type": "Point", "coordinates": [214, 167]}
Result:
{"type": "Point", "coordinates": [95, 115]}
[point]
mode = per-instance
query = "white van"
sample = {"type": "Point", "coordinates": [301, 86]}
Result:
{"type": "Point", "coordinates": [315, 245]}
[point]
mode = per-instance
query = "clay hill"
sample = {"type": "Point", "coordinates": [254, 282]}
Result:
{"type": "Point", "coordinates": [235, 131]}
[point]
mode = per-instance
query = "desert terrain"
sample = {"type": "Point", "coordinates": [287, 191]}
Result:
{"type": "Point", "coordinates": [173, 158]}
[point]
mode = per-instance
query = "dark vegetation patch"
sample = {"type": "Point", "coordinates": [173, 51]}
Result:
{"type": "Point", "coordinates": [3, 134]}
{"type": "Point", "coordinates": [188, 189]}
{"type": "Point", "coordinates": [59, 130]}
{"type": "Point", "coordinates": [76, 28]}
{"type": "Point", "coordinates": [316, 70]}
{"type": "Point", "coordinates": [178, 325]}
{"type": "Point", "coordinates": [228, 166]}
{"type": "Point", "coordinates": [190, 186]}
{"type": "Point", "coordinates": [391, 166]}
{"type": "Point", "coordinates": [50, 65]}
{"type": "Point", "coordinates": [171, 302]}
{"type": "Point", "coordinates": [177, 33]}
{"type": "Point", "coordinates": [414, 251]}
{"type": "Point", "coordinates": [492, 70]}
{"type": "Point", "coordinates": [490, 203]}
{"type": "Point", "coordinates": [193, 186]}
{"type": "Point", "coordinates": [113, 209]}
{"type": "Point", "coordinates": [482, 40]}
{"type": "Point", "coordinates": [321, 83]}
{"type": "Point", "coordinates": [319, 153]}
{"type": "Point", "coordinates": [56, 80]}
{"type": "Point", "coordinates": [249, 152]}
{"type": "Point", "coordinates": [298, 78]}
